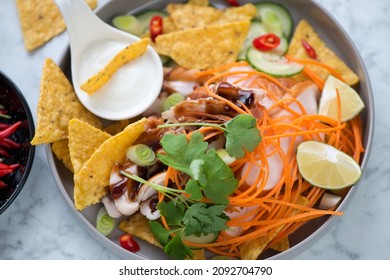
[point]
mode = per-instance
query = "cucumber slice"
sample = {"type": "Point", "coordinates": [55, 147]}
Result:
{"type": "Point", "coordinates": [129, 24]}
{"type": "Point", "coordinates": [282, 48]}
{"type": "Point", "coordinates": [272, 64]}
{"type": "Point", "coordinates": [146, 16]}
{"type": "Point", "coordinates": [256, 29]}
{"type": "Point", "coordinates": [203, 239]}
{"type": "Point", "coordinates": [269, 12]}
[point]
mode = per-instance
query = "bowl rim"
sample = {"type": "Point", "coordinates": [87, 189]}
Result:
{"type": "Point", "coordinates": [31, 152]}
{"type": "Point", "coordinates": [316, 234]}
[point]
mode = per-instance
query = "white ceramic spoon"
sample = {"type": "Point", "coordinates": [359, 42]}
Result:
{"type": "Point", "coordinates": [93, 43]}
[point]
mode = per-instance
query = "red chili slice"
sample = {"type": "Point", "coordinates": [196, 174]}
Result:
{"type": "Point", "coordinates": [127, 242]}
{"type": "Point", "coordinates": [233, 2]}
{"type": "Point", "coordinates": [266, 42]}
{"type": "Point", "coordinates": [155, 27]}
{"type": "Point", "coordinates": [311, 52]}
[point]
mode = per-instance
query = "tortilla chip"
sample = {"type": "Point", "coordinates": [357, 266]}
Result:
{"type": "Point", "coordinates": [282, 245]}
{"type": "Point", "coordinates": [198, 254]}
{"type": "Point", "coordinates": [251, 250]}
{"type": "Point", "coordinates": [138, 226]}
{"type": "Point", "coordinates": [93, 178]}
{"type": "Point", "coordinates": [116, 127]}
{"type": "Point", "coordinates": [244, 12]}
{"type": "Point", "coordinates": [168, 25]}
{"type": "Point", "coordinates": [204, 48]}
{"type": "Point", "coordinates": [84, 139]}
{"type": "Point", "coordinates": [61, 151]}
{"type": "Point", "coordinates": [57, 105]}
{"type": "Point", "coordinates": [186, 16]}
{"type": "Point", "coordinates": [41, 20]}
{"type": "Point", "coordinates": [126, 55]}
{"type": "Point", "coordinates": [199, 2]}
{"type": "Point", "coordinates": [324, 53]}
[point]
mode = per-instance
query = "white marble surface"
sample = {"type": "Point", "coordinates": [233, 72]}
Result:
{"type": "Point", "coordinates": [40, 225]}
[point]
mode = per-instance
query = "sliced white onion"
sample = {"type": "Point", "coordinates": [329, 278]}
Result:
{"type": "Point", "coordinates": [125, 206]}
{"type": "Point", "coordinates": [147, 211]}
{"type": "Point", "coordinates": [145, 192]}
{"type": "Point", "coordinates": [329, 201]}
{"type": "Point", "coordinates": [185, 88]}
{"type": "Point", "coordinates": [115, 176]}
{"type": "Point", "coordinates": [110, 207]}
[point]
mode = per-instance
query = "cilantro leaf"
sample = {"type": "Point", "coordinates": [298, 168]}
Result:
{"type": "Point", "coordinates": [197, 172]}
{"type": "Point", "coordinates": [180, 152]}
{"type": "Point", "coordinates": [200, 219]}
{"type": "Point", "coordinates": [160, 233]}
{"type": "Point", "coordinates": [241, 134]}
{"type": "Point", "coordinates": [220, 178]}
{"type": "Point", "coordinates": [177, 249]}
{"type": "Point", "coordinates": [194, 190]}
{"type": "Point", "coordinates": [172, 211]}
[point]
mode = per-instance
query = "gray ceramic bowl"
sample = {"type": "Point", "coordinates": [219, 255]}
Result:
{"type": "Point", "coordinates": [334, 36]}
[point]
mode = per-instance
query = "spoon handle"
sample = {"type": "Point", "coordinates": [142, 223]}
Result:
{"type": "Point", "coordinates": [82, 24]}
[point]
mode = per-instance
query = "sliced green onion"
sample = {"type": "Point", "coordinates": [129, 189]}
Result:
{"type": "Point", "coordinates": [129, 24]}
{"type": "Point", "coordinates": [4, 116]}
{"type": "Point", "coordinates": [104, 223]}
{"type": "Point", "coordinates": [172, 100]}
{"type": "Point", "coordinates": [224, 155]}
{"type": "Point", "coordinates": [141, 155]}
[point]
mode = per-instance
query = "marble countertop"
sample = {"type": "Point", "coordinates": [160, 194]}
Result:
{"type": "Point", "coordinates": [40, 224]}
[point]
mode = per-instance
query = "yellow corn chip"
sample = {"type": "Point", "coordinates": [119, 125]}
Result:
{"type": "Point", "coordinates": [116, 127]}
{"type": "Point", "coordinates": [199, 2]}
{"type": "Point", "coordinates": [41, 20]}
{"type": "Point", "coordinates": [138, 226]}
{"type": "Point", "coordinates": [324, 53]}
{"type": "Point", "coordinates": [198, 254]}
{"type": "Point", "coordinates": [282, 245]}
{"type": "Point", "coordinates": [129, 53]}
{"type": "Point", "coordinates": [93, 178]}
{"type": "Point", "coordinates": [61, 151]}
{"type": "Point", "coordinates": [204, 48]}
{"type": "Point", "coordinates": [57, 105]}
{"type": "Point", "coordinates": [84, 139]}
{"type": "Point", "coordinates": [251, 250]}
{"type": "Point", "coordinates": [168, 25]}
{"type": "Point", "coordinates": [186, 16]}
{"type": "Point", "coordinates": [245, 12]}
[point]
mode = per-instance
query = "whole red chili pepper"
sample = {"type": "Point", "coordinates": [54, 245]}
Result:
{"type": "Point", "coordinates": [2, 184]}
{"type": "Point", "coordinates": [266, 42]}
{"type": "Point", "coordinates": [311, 52]}
{"type": "Point", "coordinates": [3, 152]}
{"type": "Point", "coordinates": [8, 143]}
{"type": "Point", "coordinates": [8, 131]}
{"type": "Point", "coordinates": [155, 27]}
{"type": "Point", "coordinates": [5, 171]}
{"type": "Point", "coordinates": [233, 2]}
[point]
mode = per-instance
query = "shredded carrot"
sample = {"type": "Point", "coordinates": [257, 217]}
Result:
{"type": "Point", "coordinates": [316, 63]}
{"type": "Point", "coordinates": [265, 204]}
{"type": "Point", "coordinates": [221, 68]}
{"type": "Point", "coordinates": [314, 77]}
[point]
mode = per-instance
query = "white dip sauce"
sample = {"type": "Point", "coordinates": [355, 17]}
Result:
{"type": "Point", "coordinates": [132, 88]}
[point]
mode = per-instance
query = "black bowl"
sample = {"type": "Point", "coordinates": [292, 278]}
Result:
{"type": "Point", "coordinates": [15, 104]}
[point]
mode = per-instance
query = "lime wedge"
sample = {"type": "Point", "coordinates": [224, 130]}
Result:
{"type": "Point", "coordinates": [351, 103]}
{"type": "Point", "coordinates": [324, 166]}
